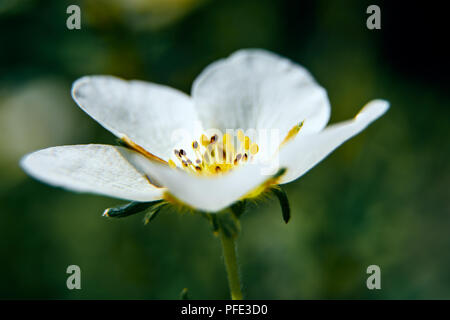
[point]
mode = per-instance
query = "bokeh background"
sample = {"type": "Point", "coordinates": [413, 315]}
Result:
{"type": "Point", "coordinates": [382, 198]}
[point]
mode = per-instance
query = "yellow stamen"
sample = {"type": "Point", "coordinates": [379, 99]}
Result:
{"type": "Point", "coordinates": [204, 140]}
{"type": "Point", "coordinates": [247, 143]}
{"type": "Point", "coordinates": [226, 139]}
{"type": "Point", "coordinates": [254, 149]}
{"type": "Point", "coordinates": [215, 157]}
{"type": "Point", "coordinates": [292, 133]}
{"type": "Point", "coordinates": [240, 135]}
{"type": "Point", "coordinates": [172, 164]}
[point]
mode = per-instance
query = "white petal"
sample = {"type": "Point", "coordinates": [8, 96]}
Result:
{"type": "Point", "coordinates": [91, 168]}
{"type": "Point", "coordinates": [209, 194]}
{"type": "Point", "coordinates": [256, 89]}
{"type": "Point", "coordinates": [149, 114]}
{"type": "Point", "coordinates": [306, 151]}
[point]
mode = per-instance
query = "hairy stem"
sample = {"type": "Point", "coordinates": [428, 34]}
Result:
{"type": "Point", "coordinates": [230, 259]}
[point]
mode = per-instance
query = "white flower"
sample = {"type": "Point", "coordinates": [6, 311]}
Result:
{"type": "Point", "coordinates": [252, 89]}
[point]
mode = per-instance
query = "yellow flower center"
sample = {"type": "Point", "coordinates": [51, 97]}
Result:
{"type": "Point", "coordinates": [216, 155]}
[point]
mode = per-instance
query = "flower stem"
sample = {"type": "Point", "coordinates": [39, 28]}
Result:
{"type": "Point", "coordinates": [230, 259]}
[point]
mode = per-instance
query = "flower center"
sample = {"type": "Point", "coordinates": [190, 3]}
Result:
{"type": "Point", "coordinates": [215, 155]}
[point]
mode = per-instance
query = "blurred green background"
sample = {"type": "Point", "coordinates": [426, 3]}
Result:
{"type": "Point", "coordinates": [382, 198]}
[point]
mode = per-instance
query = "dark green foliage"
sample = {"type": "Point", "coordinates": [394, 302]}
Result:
{"type": "Point", "coordinates": [130, 209]}
{"type": "Point", "coordinates": [284, 203]}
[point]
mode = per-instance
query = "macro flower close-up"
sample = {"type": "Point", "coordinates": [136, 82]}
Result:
{"type": "Point", "coordinates": [205, 151]}
{"type": "Point", "coordinates": [168, 153]}
{"type": "Point", "coordinates": [253, 121]}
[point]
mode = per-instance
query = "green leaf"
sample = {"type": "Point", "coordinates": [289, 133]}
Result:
{"type": "Point", "coordinates": [129, 209]}
{"type": "Point", "coordinates": [184, 294]}
{"type": "Point", "coordinates": [284, 203]}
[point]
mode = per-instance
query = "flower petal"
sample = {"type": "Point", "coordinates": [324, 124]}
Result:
{"type": "Point", "coordinates": [209, 194]}
{"type": "Point", "coordinates": [92, 168]}
{"type": "Point", "coordinates": [148, 114]}
{"type": "Point", "coordinates": [306, 151]}
{"type": "Point", "coordinates": [256, 89]}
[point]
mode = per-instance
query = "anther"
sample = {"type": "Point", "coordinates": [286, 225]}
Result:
{"type": "Point", "coordinates": [254, 148]}
{"type": "Point", "coordinates": [172, 164]}
{"type": "Point", "coordinates": [246, 143]}
{"type": "Point", "coordinates": [293, 132]}
{"type": "Point", "coordinates": [204, 140]}
{"type": "Point", "coordinates": [240, 135]}
{"type": "Point", "coordinates": [226, 139]}
{"type": "Point", "coordinates": [195, 145]}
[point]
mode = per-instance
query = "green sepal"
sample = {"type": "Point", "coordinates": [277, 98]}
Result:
{"type": "Point", "coordinates": [129, 209]}
{"type": "Point", "coordinates": [238, 208]}
{"type": "Point", "coordinates": [279, 173]}
{"type": "Point", "coordinates": [284, 203]}
{"type": "Point", "coordinates": [229, 224]}
{"type": "Point", "coordinates": [214, 223]}
{"type": "Point", "coordinates": [153, 213]}
{"type": "Point", "coordinates": [184, 294]}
